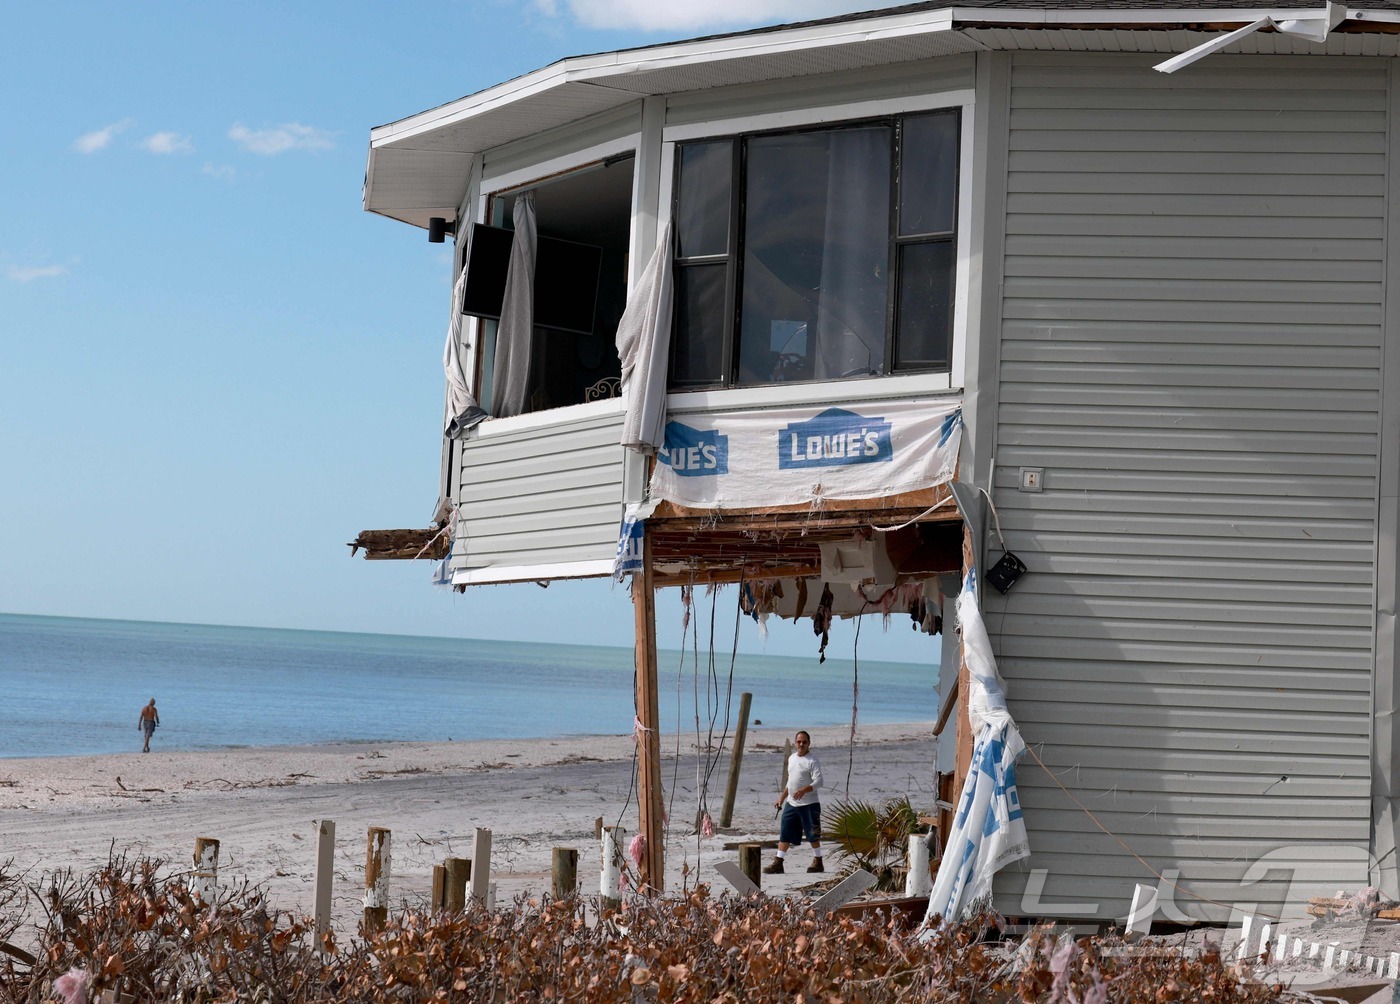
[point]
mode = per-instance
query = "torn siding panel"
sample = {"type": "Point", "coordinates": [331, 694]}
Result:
{"type": "Point", "coordinates": [544, 496]}
{"type": "Point", "coordinates": [1191, 330]}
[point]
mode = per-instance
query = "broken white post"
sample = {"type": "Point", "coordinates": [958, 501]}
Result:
{"type": "Point", "coordinates": [1264, 933]}
{"type": "Point", "coordinates": [1242, 949]}
{"type": "Point", "coordinates": [481, 868]}
{"type": "Point", "coordinates": [1281, 949]}
{"type": "Point", "coordinates": [491, 898]}
{"type": "Point", "coordinates": [1144, 907]}
{"type": "Point", "coordinates": [1394, 972]}
{"type": "Point", "coordinates": [376, 879]}
{"type": "Point", "coordinates": [204, 880]}
{"type": "Point", "coordinates": [325, 875]}
{"type": "Point", "coordinates": [610, 880]}
{"type": "Point", "coordinates": [1331, 954]}
{"type": "Point", "coordinates": [917, 881]}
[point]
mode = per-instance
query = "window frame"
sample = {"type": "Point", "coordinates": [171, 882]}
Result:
{"type": "Point", "coordinates": [889, 384]}
{"type": "Point", "coordinates": [520, 179]}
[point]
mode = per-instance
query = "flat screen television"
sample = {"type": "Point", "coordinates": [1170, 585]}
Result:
{"type": "Point", "coordinates": [566, 279]}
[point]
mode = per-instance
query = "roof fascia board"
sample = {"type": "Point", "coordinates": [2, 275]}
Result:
{"type": "Point", "coordinates": [597, 69]}
{"type": "Point", "coordinates": [972, 16]}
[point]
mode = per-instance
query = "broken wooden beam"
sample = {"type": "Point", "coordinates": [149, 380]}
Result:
{"type": "Point", "coordinates": [401, 545]}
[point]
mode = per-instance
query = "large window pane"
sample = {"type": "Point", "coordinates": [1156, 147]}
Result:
{"type": "Point", "coordinates": [925, 322]}
{"type": "Point", "coordinates": [928, 174]}
{"type": "Point", "coordinates": [702, 210]}
{"type": "Point", "coordinates": [697, 346]}
{"type": "Point", "coordinates": [816, 254]}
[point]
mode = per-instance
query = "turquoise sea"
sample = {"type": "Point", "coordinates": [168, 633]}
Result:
{"type": "Point", "coordinates": [76, 686]}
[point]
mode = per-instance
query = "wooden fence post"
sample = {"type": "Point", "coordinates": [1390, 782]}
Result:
{"type": "Point", "coordinates": [751, 862]}
{"type": "Point", "coordinates": [376, 879]}
{"type": "Point", "coordinates": [325, 875]}
{"type": "Point", "coordinates": [565, 872]}
{"type": "Point", "coordinates": [204, 880]}
{"type": "Point", "coordinates": [731, 788]}
{"type": "Point", "coordinates": [481, 866]}
{"type": "Point", "coordinates": [457, 872]}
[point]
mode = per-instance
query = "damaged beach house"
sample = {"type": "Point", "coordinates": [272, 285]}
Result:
{"type": "Point", "coordinates": [1074, 319]}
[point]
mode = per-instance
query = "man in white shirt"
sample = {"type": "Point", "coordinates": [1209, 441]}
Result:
{"type": "Point", "coordinates": [802, 811]}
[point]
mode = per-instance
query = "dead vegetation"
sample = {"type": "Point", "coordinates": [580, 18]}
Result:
{"type": "Point", "coordinates": [135, 929]}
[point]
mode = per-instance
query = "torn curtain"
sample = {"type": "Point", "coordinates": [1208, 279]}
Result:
{"type": "Point", "coordinates": [644, 346]}
{"type": "Point", "coordinates": [988, 831]}
{"type": "Point", "coordinates": [463, 411]}
{"type": "Point", "coordinates": [510, 380]}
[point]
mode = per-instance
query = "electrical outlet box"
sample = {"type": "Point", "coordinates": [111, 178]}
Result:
{"type": "Point", "coordinates": [1032, 478]}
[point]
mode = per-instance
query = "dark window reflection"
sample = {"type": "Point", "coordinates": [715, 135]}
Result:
{"type": "Point", "coordinates": [816, 253]}
{"type": "Point", "coordinates": [702, 210]}
{"type": "Point", "coordinates": [925, 305]}
{"type": "Point", "coordinates": [697, 348]}
{"type": "Point", "coordinates": [928, 173]}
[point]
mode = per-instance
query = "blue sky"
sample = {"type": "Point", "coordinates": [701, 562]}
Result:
{"type": "Point", "coordinates": [215, 367]}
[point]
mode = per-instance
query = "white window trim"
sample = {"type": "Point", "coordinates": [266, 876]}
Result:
{"type": "Point", "coordinates": [866, 387]}
{"type": "Point", "coordinates": [571, 414]}
{"type": "Point", "coordinates": [526, 177]}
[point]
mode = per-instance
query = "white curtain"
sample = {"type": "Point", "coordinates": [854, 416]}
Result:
{"type": "Point", "coordinates": [511, 378]}
{"type": "Point", "coordinates": [850, 321]}
{"type": "Point", "coordinates": [463, 411]}
{"type": "Point", "coordinates": [644, 346]}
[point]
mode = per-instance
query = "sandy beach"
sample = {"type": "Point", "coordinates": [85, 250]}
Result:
{"type": "Point", "coordinates": [534, 795]}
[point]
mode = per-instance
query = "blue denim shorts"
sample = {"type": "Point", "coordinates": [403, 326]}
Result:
{"type": "Point", "coordinates": [801, 821]}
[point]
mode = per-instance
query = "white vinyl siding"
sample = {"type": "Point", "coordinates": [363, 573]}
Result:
{"type": "Point", "coordinates": [547, 496]}
{"type": "Point", "coordinates": [1190, 349]}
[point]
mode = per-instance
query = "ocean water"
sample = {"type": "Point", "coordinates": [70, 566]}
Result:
{"type": "Point", "coordinates": [76, 686]}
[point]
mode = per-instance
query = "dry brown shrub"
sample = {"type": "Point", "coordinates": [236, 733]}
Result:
{"type": "Point", "coordinates": [132, 927]}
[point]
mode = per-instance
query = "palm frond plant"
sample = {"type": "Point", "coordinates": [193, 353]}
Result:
{"type": "Point", "coordinates": [873, 838]}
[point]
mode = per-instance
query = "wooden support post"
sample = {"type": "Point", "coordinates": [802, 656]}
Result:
{"type": "Point", "coordinates": [731, 788]}
{"type": "Point", "coordinates": [456, 873]}
{"type": "Point", "coordinates": [204, 879]}
{"type": "Point", "coordinates": [376, 879]}
{"type": "Point", "coordinates": [650, 804]}
{"type": "Point", "coordinates": [481, 867]}
{"type": "Point", "coordinates": [751, 862]}
{"type": "Point", "coordinates": [963, 757]}
{"type": "Point", "coordinates": [325, 876]}
{"type": "Point", "coordinates": [565, 872]}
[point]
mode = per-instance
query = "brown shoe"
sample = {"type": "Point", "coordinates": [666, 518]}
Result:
{"type": "Point", "coordinates": [816, 865]}
{"type": "Point", "coordinates": [774, 867]}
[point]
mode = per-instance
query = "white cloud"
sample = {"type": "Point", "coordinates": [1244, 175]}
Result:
{"type": "Point", "coordinates": [28, 273]}
{"type": "Point", "coordinates": [167, 142]}
{"type": "Point", "coordinates": [694, 15]}
{"type": "Point", "coordinates": [280, 139]}
{"type": "Point", "coordinates": [224, 172]}
{"type": "Point", "coordinates": [99, 139]}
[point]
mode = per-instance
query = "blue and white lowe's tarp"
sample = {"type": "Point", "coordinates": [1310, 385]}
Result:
{"type": "Point", "coordinates": [988, 831]}
{"type": "Point", "coordinates": [796, 456]}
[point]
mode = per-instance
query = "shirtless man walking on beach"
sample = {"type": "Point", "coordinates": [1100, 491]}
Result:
{"type": "Point", "coordinates": [147, 723]}
{"type": "Point", "coordinates": [802, 811]}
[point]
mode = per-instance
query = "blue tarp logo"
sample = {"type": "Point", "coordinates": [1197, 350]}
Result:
{"type": "Point", "coordinates": [835, 438]}
{"type": "Point", "coordinates": [694, 453]}
{"type": "Point", "coordinates": [629, 547]}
